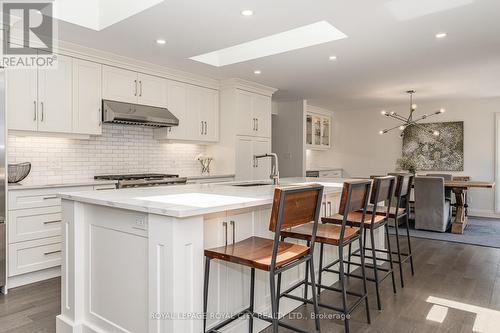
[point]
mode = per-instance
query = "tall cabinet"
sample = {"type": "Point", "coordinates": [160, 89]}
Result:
{"type": "Point", "coordinates": [245, 112]}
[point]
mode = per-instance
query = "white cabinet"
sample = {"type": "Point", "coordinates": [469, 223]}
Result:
{"type": "Point", "coordinates": [22, 99]}
{"type": "Point", "coordinates": [254, 114]}
{"type": "Point", "coordinates": [197, 109]}
{"type": "Point", "coordinates": [41, 99]}
{"type": "Point", "coordinates": [87, 90]}
{"type": "Point", "coordinates": [152, 90]}
{"type": "Point", "coordinates": [318, 131]}
{"type": "Point", "coordinates": [128, 86]}
{"type": "Point", "coordinates": [247, 167]}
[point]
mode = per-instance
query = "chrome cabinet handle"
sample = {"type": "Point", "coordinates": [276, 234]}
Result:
{"type": "Point", "coordinates": [51, 252]}
{"type": "Point", "coordinates": [234, 231]}
{"type": "Point", "coordinates": [50, 197]}
{"type": "Point", "coordinates": [135, 84]}
{"type": "Point", "coordinates": [225, 231]}
{"type": "Point", "coordinates": [206, 128]}
{"type": "Point", "coordinates": [329, 203]}
{"type": "Point", "coordinates": [41, 105]}
{"type": "Point", "coordinates": [50, 222]}
{"type": "Point", "coordinates": [140, 88]}
{"type": "Point", "coordinates": [324, 209]}
{"type": "Point", "coordinates": [100, 117]}
{"type": "Point", "coordinates": [257, 124]}
{"type": "Point", "coordinates": [201, 132]}
{"type": "Point", "coordinates": [35, 111]}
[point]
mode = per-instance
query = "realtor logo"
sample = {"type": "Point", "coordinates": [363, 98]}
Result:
{"type": "Point", "coordinates": [28, 27]}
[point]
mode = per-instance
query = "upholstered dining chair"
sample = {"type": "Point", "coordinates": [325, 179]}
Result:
{"type": "Point", "coordinates": [432, 209]}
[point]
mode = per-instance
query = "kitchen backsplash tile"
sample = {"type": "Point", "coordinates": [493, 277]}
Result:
{"type": "Point", "coordinates": [120, 149]}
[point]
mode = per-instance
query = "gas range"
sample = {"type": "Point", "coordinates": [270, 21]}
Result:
{"type": "Point", "coordinates": [144, 179]}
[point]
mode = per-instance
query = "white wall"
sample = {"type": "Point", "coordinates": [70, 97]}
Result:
{"type": "Point", "coordinates": [120, 149]}
{"type": "Point", "coordinates": [362, 151]}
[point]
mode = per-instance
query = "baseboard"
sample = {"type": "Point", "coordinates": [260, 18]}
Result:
{"type": "Point", "coordinates": [24, 279]}
{"type": "Point", "coordinates": [483, 213]}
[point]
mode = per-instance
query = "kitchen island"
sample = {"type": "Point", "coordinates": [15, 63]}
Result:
{"type": "Point", "coordinates": [133, 258]}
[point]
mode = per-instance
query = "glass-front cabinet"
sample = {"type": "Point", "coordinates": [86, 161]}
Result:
{"type": "Point", "coordinates": [318, 131]}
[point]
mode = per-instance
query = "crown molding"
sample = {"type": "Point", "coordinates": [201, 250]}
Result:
{"type": "Point", "coordinates": [246, 85]}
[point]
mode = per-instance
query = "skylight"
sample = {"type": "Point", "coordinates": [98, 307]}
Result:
{"type": "Point", "coordinates": [99, 14]}
{"type": "Point", "coordinates": [410, 9]}
{"type": "Point", "coordinates": [298, 38]}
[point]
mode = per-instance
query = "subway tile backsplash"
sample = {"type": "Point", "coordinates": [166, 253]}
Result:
{"type": "Point", "coordinates": [120, 149]}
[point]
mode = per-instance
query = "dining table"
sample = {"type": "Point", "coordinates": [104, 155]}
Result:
{"type": "Point", "coordinates": [460, 188]}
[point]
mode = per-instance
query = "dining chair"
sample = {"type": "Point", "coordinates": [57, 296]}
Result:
{"type": "Point", "coordinates": [432, 208]}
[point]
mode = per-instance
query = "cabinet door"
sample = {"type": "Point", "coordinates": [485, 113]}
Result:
{"type": "Point", "coordinates": [22, 99]}
{"type": "Point", "coordinates": [263, 166]}
{"type": "Point", "coordinates": [209, 114]}
{"type": "Point", "coordinates": [176, 103]}
{"type": "Point", "coordinates": [245, 119]}
{"type": "Point", "coordinates": [119, 84]}
{"type": "Point", "coordinates": [238, 276]}
{"type": "Point", "coordinates": [87, 89]}
{"type": "Point", "coordinates": [195, 126]}
{"type": "Point", "coordinates": [261, 110]}
{"type": "Point", "coordinates": [325, 132]}
{"type": "Point", "coordinates": [152, 90]}
{"type": "Point", "coordinates": [55, 97]}
{"type": "Point", "coordinates": [245, 163]}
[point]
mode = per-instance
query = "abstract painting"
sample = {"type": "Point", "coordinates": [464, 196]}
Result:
{"type": "Point", "coordinates": [435, 153]}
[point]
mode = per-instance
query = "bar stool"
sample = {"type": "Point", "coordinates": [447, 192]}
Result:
{"type": "Point", "coordinates": [354, 197]}
{"type": "Point", "coordinates": [404, 183]}
{"type": "Point", "coordinates": [382, 190]}
{"type": "Point", "coordinates": [292, 207]}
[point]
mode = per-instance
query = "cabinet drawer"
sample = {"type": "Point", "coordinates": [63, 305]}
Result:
{"type": "Point", "coordinates": [21, 199]}
{"type": "Point", "coordinates": [30, 256]}
{"type": "Point", "coordinates": [34, 223]}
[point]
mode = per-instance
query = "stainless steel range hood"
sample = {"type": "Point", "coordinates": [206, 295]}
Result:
{"type": "Point", "coordinates": [135, 114]}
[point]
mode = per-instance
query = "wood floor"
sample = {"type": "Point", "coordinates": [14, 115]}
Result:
{"type": "Point", "coordinates": [466, 274]}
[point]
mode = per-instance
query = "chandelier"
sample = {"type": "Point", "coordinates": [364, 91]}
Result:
{"type": "Point", "coordinates": [409, 121]}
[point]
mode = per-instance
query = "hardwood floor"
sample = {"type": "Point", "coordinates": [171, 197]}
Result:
{"type": "Point", "coordinates": [468, 275]}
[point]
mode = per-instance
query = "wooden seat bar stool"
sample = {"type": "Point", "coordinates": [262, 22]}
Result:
{"type": "Point", "coordinates": [382, 191]}
{"type": "Point", "coordinates": [404, 183]}
{"type": "Point", "coordinates": [354, 197]}
{"type": "Point", "coordinates": [292, 206]}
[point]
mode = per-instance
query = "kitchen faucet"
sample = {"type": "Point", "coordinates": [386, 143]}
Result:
{"type": "Point", "coordinates": [275, 174]}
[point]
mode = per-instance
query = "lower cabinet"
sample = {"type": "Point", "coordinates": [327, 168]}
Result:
{"type": "Point", "coordinates": [34, 232]}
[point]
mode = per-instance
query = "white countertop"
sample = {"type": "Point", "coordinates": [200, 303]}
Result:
{"type": "Point", "coordinates": [90, 182]}
{"type": "Point", "coordinates": [209, 177]}
{"type": "Point", "coordinates": [324, 168]}
{"type": "Point", "coordinates": [195, 199]}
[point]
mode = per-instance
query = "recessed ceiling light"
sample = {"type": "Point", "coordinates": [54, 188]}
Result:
{"type": "Point", "coordinates": [257, 71]}
{"type": "Point", "coordinates": [332, 57]}
{"type": "Point", "coordinates": [161, 41]}
{"type": "Point", "coordinates": [298, 38]}
{"type": "Point", "coordinates": [247, 12]}
{"type": "Point", "coordinates": [441, 35]}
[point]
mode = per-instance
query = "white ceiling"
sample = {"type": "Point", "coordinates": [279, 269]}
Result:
{"type": "Point", "coordinates": [382, 57]}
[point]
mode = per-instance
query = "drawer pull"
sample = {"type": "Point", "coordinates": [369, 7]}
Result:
{"type": "Point", "coordinates": [50, 197]}
{"type": "Point", "coordinates": [51, 252]}
{"type": "Point", "coordinates": [50, 222]}
{"type": "Point", "coordinates": [105, 188]}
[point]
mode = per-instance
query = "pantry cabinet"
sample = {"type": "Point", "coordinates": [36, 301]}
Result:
{"type": "Point", "coordinates": [131, 87]}
{"type": "Point", "coordinates": [40, 99]}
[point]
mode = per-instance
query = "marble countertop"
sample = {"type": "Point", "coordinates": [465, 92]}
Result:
{"type": "Point", "coordinates": [90, 182]}
{"type": "Point", "coordinates": [194, 199]}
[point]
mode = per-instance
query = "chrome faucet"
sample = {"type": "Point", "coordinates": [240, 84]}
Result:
{"type": "Point", "coordinates": [275, 174]}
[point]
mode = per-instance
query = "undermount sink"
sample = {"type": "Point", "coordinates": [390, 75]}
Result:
{"type": "Point", "coordinates": [252, 184]}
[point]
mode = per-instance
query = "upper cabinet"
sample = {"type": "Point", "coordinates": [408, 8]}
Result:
{"type": "Point", "coordinates": [41, 99]}
{"type": "Point", "coordinates": [318, 129]}
{"type": "Point", "coordinates": [87, 90]}
{"type": "Point", "coordinates": [197, 109]}
{"type": "Point", "coordinates": [128, 86]}
{"type": "Point", "coordinates": [254, 114]}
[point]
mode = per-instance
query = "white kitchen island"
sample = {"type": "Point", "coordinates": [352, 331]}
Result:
{"type": "Point", "coordinates": [133, 258]}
